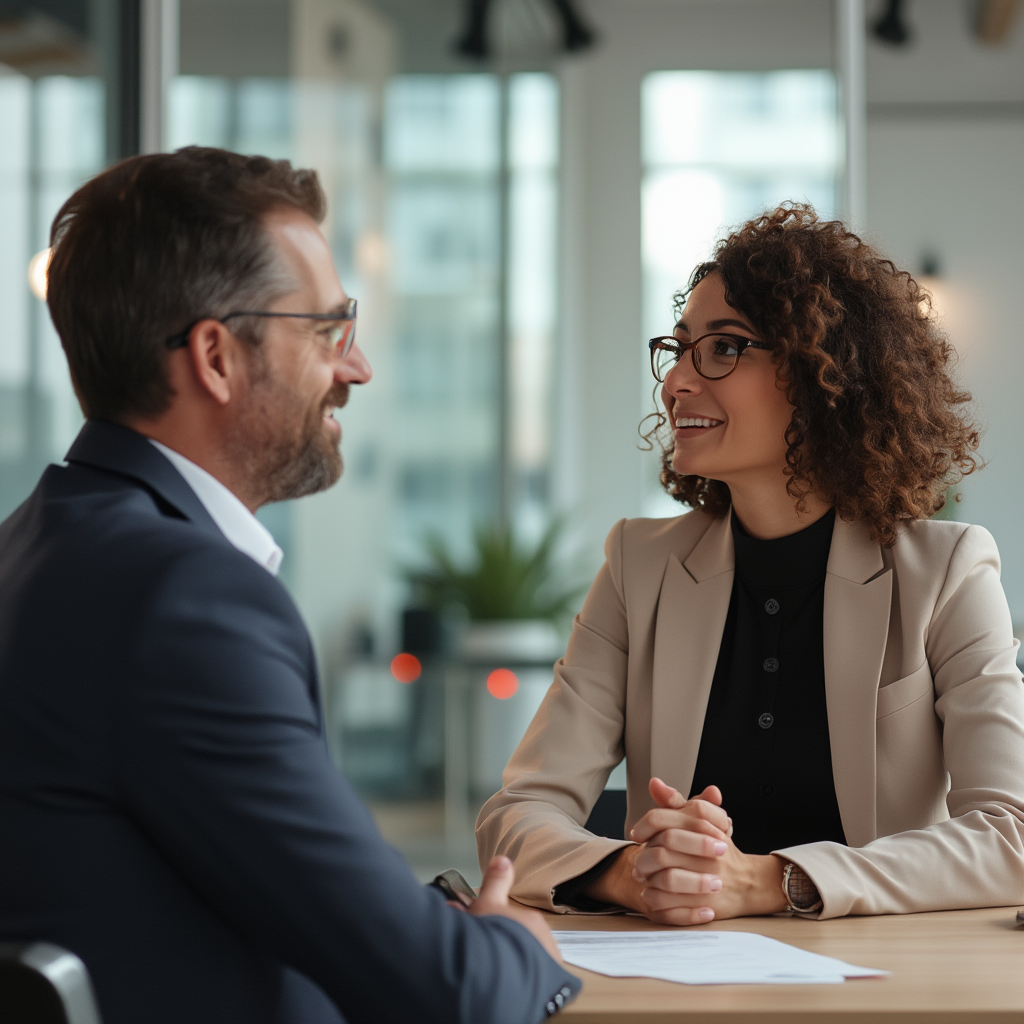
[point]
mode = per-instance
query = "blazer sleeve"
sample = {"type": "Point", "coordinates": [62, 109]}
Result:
{"type": "Point", "coordinates": [560, 767]}
{"type": "Point", "coordinates": [976, 857]}
{"type": "Point", "coordinates": [223, 764]}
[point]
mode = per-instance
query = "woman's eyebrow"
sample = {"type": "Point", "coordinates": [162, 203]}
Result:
{"type": "Point", "coordinates": [717, 325]}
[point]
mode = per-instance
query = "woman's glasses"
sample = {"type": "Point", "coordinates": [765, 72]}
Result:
{"type": "Point", "coordinates": [714, 355]}
{"type": "Point", "coordinates": [340, 334]}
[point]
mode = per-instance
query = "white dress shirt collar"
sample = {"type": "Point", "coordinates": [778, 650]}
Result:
{"type": "Point", "coordinates": [233, 519]}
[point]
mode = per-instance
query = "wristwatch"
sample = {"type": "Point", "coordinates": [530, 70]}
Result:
{"type": "Point", "coordinates": [802, 896]}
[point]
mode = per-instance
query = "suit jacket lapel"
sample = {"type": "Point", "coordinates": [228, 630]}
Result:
{"type": "Point", "coordinates": [117, 449]}
{"type": "Point", "coordinates": [692, 608]}
{"type": "Point", "coordinates": [858, 591]}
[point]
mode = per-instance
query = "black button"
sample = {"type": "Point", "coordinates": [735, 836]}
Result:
{"type": "Point", "coordinates": [771, 606]}
{"type": "Point", "coordinates": [766, 720]}
{"type": "Point", "coordinates": [766, 789]}
{"type": "Point", "coordinates": [771, 664]}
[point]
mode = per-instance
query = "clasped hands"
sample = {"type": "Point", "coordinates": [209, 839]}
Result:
{"type": "Point", "coordinates": [685, 868]}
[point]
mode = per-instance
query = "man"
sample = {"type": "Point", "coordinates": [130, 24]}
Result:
{"type": "Point", "coordinates": [168, 809]}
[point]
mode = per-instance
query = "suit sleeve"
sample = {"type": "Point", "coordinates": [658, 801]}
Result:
{"type": "Point", "coordinates": [976, 858]}
{"type": "Point", "coordinates": [560, 767]}
{"type": "Point", "coordinates": [223, 763]}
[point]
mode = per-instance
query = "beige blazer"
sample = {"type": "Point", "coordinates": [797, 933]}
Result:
{"type": "Point", "coordinates": [925, 708]}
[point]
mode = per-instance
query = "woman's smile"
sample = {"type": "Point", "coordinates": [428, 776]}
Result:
{"type": "Point", "coordinates": [695, 426]}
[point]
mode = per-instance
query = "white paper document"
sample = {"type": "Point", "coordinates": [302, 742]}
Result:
{"type": "Point", "coordinates": [703, 958]}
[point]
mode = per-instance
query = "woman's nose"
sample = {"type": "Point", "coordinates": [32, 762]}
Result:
{"type": "Point", "coordinates": [683, 378]}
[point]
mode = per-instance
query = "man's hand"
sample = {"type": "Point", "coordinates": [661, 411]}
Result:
{"type": "Point", "coordinates": [493, 899]}
{"type": "Point", "coordinates": [690, 871]}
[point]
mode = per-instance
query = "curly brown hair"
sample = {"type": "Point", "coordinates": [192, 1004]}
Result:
{"type": "Point", "coordinates": [879, 427]}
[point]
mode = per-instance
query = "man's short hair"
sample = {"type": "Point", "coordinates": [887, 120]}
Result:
{"type": "Point", "coordinates": [154, 244]}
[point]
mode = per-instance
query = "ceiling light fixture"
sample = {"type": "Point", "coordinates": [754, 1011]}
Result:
{"type": "Point", "coordinates": [890, 27]}
{"type": "Point", "coordinates": [474, 40]}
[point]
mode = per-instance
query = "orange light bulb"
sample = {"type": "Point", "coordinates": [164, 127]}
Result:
{"type": "Point", "coordinates": [502, 683]}
{"type": "Point", "coordinates": [406, 668]}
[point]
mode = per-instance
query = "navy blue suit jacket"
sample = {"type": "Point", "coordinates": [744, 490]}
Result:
{"type": "Point", "coordinates": [168, 807]}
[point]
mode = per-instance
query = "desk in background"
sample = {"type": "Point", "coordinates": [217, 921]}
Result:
{"type": "Point", "coordinates": [954, 967]}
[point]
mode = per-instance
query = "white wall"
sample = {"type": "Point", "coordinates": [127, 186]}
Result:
{"type": "Point", "coordinates": [948, 188]}
{"type": "Point", "coordinates": [946, 177]}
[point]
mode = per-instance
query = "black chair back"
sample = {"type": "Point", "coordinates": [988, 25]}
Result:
{"type": "Point", "coordinates": [608, 817]}
{"type": "Point", "coordinates": [43, 984]}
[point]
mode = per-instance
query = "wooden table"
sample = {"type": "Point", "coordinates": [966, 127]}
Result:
{"type": "Point", "coordinates": [954, 967]}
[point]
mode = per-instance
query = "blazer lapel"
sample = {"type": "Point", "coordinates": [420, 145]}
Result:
{"type": "Point", "coordinates": [117, 449]}
{"type": "Point", "coordinates": [858, 591]}
{"type": "Point", "coordinates": [692, 608]}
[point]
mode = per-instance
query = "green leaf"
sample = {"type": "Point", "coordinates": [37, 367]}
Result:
{"type": "Point", "coordinates": [505, 579]}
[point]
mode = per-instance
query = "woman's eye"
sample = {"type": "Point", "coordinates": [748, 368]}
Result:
{"type": "Point", "coordinates": [725, 347]}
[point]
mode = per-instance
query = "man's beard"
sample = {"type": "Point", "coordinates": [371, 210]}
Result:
{"type": "Point", "coordinates": [282, 460]}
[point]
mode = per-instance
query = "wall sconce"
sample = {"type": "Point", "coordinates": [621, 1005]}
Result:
{"type": "Point", "coordinates": [930, 279]}
{"type": "Point", "coordinates": [38, 267]}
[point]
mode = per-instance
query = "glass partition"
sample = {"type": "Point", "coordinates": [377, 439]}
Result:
{"type": "Point", "coordinates": [58, 126]}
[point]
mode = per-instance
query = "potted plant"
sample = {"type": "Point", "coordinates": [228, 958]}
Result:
{"type": "Point", "coordinates": [515, 599]}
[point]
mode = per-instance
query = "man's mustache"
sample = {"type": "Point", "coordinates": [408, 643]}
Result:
{"type": "Point", "coordinates": [337, 397]}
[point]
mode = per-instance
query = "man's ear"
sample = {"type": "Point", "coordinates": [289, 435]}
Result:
{"type": "Point", "coordinates": [216, 359]}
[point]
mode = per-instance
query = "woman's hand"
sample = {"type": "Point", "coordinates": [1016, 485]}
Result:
{"type": "Point", "coordinates": [698, 827]}
{"type": "Point", "coordinates": [689, 869]}
{"type": "Point", "coordinates": [686, 869]}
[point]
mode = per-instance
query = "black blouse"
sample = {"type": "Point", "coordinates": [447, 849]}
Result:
{"type": "Point", "coordinates": [765, 742]}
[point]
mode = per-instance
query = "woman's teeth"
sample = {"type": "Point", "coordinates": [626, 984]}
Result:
{"type": "Point", "coordinates": [696, 421]}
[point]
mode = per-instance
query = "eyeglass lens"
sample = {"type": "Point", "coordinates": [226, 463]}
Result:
{"type": "Point", "coordinates": [714, 355]}
{"type": "Point", "coordinates": [342, 336]}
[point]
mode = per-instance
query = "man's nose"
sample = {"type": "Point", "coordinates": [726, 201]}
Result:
{"type": "Point", "coordinates": [354, 368]}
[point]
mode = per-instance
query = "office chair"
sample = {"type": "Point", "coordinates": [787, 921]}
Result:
{"type": "Point", "coordinates": [43, 984]}
{"type": "Point", "coordinates": [608, 818]}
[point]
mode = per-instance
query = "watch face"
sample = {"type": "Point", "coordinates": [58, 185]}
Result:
{"type": "Point", "coordinates": [455, 887]}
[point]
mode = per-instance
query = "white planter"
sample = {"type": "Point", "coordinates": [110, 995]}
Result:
{"type": "Point", "coordinates": [527, 648]}
{"type": "Point", "coordinates": [519, 641]}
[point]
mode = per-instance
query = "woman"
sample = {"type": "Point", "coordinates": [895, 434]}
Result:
{"type": "Point", "coordinates": [831, 673]}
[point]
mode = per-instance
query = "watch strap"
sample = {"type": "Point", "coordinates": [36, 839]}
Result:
{"type": "Point", "coordinates": [802, 896]}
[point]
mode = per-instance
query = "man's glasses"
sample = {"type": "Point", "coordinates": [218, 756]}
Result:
{"type": "Point", "coordinates": [714, 355]}
{"type": "Point", "coordinates": [341, 336]}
